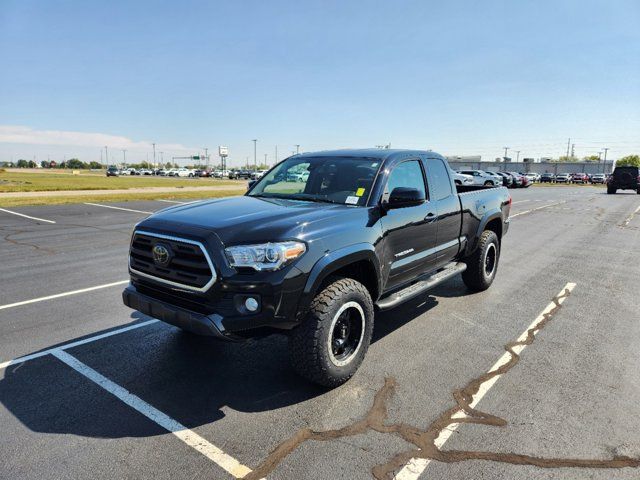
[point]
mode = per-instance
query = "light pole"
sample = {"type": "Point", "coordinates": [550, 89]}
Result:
{"type": "Point", "coordinates": [604, 163]}
{"type": "Point", "coordinates": [154, 156]}
{"type": "Point", "coordinates": [518, 155]}
{"type": "Point", "coordinates": [276, 154]}
{"type": "Point", "coordinates": [124, 158]}
{"type": "Point", "coordinates": [106, 154]}
{"type": "Point", "coordinates": [255, 154]}
{"type": "Point", "coordinates": [506, 149]}
{"type": "Point", "coordinates": [206, 156]}
{"type": "Point", "coordinates": [297, 148]}
{"type": "Point", "coordinates": [161, 157]}
{"type": "Point", "coordinates": [265, 159]}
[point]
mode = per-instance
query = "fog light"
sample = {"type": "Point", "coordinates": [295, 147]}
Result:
{"type": "Point", "coordinates": [251, 304]}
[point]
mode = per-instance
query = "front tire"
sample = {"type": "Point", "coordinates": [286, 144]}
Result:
{"type": "Point", "coordinates": [330, 344]}
{"type": "Point", "coordinates": [611, 190]}
{"type": "Point", "coordinates": [482, 265]}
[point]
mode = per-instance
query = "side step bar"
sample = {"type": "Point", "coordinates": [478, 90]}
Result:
{"type": "Point", "coordinates": [421, 286]}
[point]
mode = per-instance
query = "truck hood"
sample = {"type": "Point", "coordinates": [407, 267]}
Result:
{"type": "Point", "coordinates": [248, 219]}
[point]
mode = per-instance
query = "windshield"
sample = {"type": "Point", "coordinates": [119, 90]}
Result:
{"type": "Point", "coordinates": [345, 180]}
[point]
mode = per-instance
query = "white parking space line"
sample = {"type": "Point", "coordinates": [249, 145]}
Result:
{"type": "Point", "coordinates": [172, 201]}
{"type": "Point", "coordinates": [64, 294]}
{"type": "Point", "coordinates": [118, 208]}
{"type": "Point", "coordinates": [117, 331]}
{"type": "Point", "coordinates": [537, 208]}
{"type": "Point", "coordinates": [192, 439]}
{"type": "Point", "coordinates": [520, 201]}
{"type": "Point", "coordinates": [630, 217]}
{"type": "Point", "coordinates": [416, 466]}
{"type": "Point", "coordinates": [27, 216]}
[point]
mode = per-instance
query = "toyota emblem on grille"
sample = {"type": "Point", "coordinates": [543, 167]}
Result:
{"type": "Point", "coordinates": [161, 255]}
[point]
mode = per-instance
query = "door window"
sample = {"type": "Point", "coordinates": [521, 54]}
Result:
{"type": "Point", "coordinates": [407, 174]}
{"type": "Point", "coordinates": [440, 181]}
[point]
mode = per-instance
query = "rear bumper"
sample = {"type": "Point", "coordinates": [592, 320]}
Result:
{"type": "Point", "coordinates": [208, 325]}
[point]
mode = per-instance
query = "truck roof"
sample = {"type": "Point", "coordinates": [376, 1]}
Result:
{"type": "Point", "coordinates": [380, 153]}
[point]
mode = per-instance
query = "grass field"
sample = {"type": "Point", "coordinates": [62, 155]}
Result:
{"type": "Point", "coordinates": [128, 197]}
{"type": "Point", "coordinates": [11, 181]}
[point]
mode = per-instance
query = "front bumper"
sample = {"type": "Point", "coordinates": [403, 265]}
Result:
{"type": "Point", "coordinates": [208, 325]}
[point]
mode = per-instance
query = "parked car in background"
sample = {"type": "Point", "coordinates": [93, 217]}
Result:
{"type": "Point", "coordinates": [258, 174]}
{"type": "Point", "coordinates": [519, 180]}
{"type": "Point", "coordinates": [579, 178]}
{"type": "Point", "coordinates": [145, 171]}
{"type": "Point", "coordinates": [563, 178]}
{"type": "Point", "coordinates": [462, 179]}
{"type": "Point", "coordinates": [112, 171]}
{"type": "Point", "coordinates": [482, 178]}
{"type": "Point", "coordinates": [547, 178]}
{"type": "Point", "coordinates": [532, 176]}
{"type": "Point", "coordinates": [624, 178]}
{"type": "Point", "coordinates": [221, 173]}
{"type": "Point", "coordinates": [507, 180]}
{"type": "Point", "coordinates": [183, 172]}
{"type": "Point", "coordinates": [598, 178]}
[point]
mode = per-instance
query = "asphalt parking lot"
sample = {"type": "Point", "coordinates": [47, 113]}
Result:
{"type": "Point", "coordinates": [89, 388]}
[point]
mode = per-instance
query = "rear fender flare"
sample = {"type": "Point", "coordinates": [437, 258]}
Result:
{"type": "Point", "coordinates": [488, 216]}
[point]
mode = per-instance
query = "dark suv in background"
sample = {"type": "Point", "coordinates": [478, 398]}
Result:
{"type": "Point", "coordinates": [624, 178]}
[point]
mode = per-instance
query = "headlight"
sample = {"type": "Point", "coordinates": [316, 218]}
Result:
{"type": "Point", "coordinates": [265, 256]}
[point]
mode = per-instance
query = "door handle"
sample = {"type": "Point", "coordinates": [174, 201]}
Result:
{"type": "Point", "coordinates": [430, 217]}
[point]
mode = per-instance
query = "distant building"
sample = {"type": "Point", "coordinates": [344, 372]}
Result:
{"type": "Point", "coordinates": [467, 158]}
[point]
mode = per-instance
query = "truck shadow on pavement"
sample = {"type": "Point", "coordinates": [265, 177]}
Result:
{"type": "Point", "coordinates": [194, 380]}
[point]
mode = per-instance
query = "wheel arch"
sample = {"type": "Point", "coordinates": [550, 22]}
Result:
{"type": "Point", "coordinates": [358, 261]}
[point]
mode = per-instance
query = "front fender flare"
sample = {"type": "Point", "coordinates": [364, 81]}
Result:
{"type": "Point", "coordinates": [334, 261]}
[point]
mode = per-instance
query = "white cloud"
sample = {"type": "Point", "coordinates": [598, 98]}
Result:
{"type": "Point", "coordinates": [29, 136]}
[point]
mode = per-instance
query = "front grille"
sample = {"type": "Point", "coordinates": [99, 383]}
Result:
{"type": "Point", "coordinates": [189, 266]}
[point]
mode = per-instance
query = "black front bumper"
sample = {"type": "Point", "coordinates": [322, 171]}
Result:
{"type": "Point", "coordinates": [200, 324]}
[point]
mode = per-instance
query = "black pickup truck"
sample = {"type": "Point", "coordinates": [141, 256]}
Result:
{"type": "Point", "coordinates": [313, 248]}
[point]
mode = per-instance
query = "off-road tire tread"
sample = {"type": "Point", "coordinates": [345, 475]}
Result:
{"type": "Point", "coordinates": [473, 276]}
{"type": "Point", "coordinates": [306, 343]}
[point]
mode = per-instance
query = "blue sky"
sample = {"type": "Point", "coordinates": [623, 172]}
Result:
{"type": "Point", "coordinates": [464, 77]}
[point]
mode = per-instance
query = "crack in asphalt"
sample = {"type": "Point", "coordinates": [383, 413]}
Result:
{"type": "Point", "coordinates": [424, 440]}
{"type": "Point", "coordinates": [8, 238]}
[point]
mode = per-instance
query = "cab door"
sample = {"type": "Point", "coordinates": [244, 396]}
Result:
{"type": "Point", "coordinates": [410, 232]}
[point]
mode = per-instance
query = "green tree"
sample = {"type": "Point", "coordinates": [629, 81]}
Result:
{"type": "Point", "coordinates": [44, 164]}
{"type": "Point", "coordinates": [22, 163]}
{"type": "Point", "coordinates": [95, 165]}
{"type": "Point", "coordinates": [570, 158]}
{"type": "Point", "coordinates": [591, 158]}
{"type": "Point", "coordinates": [629, 161]}
{"type": "Point", "coordinates": [76, 164]}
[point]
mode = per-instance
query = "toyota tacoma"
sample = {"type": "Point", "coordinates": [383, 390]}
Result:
{"type": "Point", "coordinates": [355, 232]}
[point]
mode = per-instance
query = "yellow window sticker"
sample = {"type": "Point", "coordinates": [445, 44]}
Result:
{"type": "Point", "coordinates": [360, 192]}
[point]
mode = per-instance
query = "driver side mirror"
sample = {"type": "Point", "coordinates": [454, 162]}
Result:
{"type": "Point", "coordinates": [402, 197]}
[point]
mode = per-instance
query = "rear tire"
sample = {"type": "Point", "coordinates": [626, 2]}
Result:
{"type": "Point", "coordinates": [330, 344]}
{"type": "Point", "coordinates": [482, 265]}
{"type": "Point", "coordinates": [488, 184]}
{"type": "Point", "coordinates": [611, 190]}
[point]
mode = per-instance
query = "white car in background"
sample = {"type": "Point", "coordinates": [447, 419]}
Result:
{"type": "Point", "coordinates": [481, 177]}
{"type": "Point", "coordinates": [462, 179]}
{"type": "Point", "coordinates": [221, 174]}
{"type": "Point", "coordinates": [183, 172]}
{"type": "Point", "coordinates": [533, 177]}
